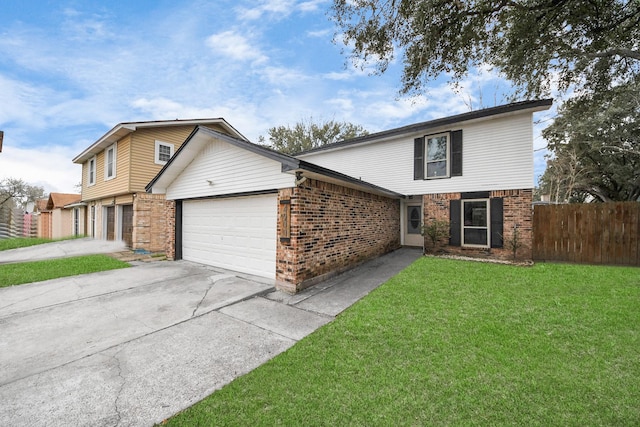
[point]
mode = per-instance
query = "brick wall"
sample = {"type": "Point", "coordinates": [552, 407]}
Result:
{"type": "Point", "coordinates": [170, 230]}
{"type": "Point", "coordinates": [150, 222]}
{"type": "Point", "coordinates": [517, 211]}
{"type": "Point", "coordinates": [333, 228]}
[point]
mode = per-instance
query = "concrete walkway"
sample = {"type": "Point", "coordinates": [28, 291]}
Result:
{"type": "Point", "coordinates": [135, 346]}
{"type": "Point", "coordinates": [61, 249]}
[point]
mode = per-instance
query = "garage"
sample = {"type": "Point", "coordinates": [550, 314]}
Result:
{"type": "Point", "coordinates": [237, 233]}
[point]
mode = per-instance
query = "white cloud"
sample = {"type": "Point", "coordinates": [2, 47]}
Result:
{"type": "Point", "coordinates": [311, 5]}
{"type": "Point", "coordinates": [235, 46]}
{"type": "Point", "coordinates": [320, 33]}
{"type": "Point", "coordinates": [48, 166]}
{"type": "Point", "coordinates": [338, 76]}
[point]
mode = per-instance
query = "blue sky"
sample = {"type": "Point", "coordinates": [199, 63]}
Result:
{"type": "Point", "coordinates": [71, 70]}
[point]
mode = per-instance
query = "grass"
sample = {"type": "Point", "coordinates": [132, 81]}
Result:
{"type": "Point", "coordinates": [458, 343]}
{"type": "Point", "coordinates": [21, 242]}
{"type": "Point", "coordinates": [36, 271]}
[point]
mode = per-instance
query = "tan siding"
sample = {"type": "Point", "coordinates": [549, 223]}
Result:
{"type": "Point", "coordinates": [135, 162]}
{"type": "Point", "coordinates": [117, 185]}
{"type": "Point", "coordinates": [143, 166]}
{"type": "Point", "coordinates": [124, 200]}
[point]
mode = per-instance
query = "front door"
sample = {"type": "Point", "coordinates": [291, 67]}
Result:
{"type": "Point", "coordinates": [127, 225]}
{"type": "Point", "coordinates": [111, 222]}
{"type": "Point", "coordinates": [413, 225]}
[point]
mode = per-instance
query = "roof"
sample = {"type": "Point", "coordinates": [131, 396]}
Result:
{"type": "Point", "coordinates": [122, 129]}
{"type": "Point", "coordinates": [41, 205]}
{"type": "Point", "coordinates": [59, 200]}
{"type": "Point", "coordinates": [199, 137]}
{"type": "Point", "coordinates": [516, 107]}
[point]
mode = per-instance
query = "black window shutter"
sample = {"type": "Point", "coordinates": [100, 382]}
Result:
{"type": "Point", "coordinates": [456, 153]}
{"type": "Point", "coordinates": [418, 158]}
{"type": "Point", "coordinates": [496, 222]}
{"type": "Point", "coordinates": [455, 218]}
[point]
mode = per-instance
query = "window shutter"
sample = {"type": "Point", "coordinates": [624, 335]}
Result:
{"type": "Point", "coordinates": [456, 153]}
{"type": "Point", "coordinates": [418, 158]}
{"type": "Point", "coordinates": [455, 218]}
{"type": "Point", "coordinates": [496, 222]}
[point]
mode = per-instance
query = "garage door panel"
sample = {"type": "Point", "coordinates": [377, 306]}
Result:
{"type": "Point", "coordinates": [237, 233]}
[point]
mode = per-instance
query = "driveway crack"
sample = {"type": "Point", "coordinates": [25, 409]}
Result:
{"type": "Point", "coordinates": [122, 384]}
{"type": "Point", "coordinates": [213, 280]}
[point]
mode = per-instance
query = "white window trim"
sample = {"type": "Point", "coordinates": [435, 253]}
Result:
{"type": "Point", "coordinates": [469, 245]}
{"type": "Point", "coordinates": [157, 152]}
{"type": "Point", "coordinates": [106, 160]}
{"type": "Point", "coordinates": [426, 155]}
{"type": "Point", "coordinates": [89, 174]}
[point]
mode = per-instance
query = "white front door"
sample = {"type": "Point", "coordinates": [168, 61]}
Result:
{"type": "Point", "coordinates": [412, 224]}
{"type": "Point", "coordinates": [238, 233]}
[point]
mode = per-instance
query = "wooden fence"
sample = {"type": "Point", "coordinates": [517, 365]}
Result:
{"type": "Point", "coordinates": [602, 233]}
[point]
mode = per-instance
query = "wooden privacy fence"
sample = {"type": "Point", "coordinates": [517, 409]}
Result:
{"type": "Point", "coordinates": [603, 233]}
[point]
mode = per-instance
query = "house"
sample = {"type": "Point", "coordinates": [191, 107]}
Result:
{"type": "Point", "coordinates": [59, 216]}
{"type": "Point", "coordinates": [115, 170]}
{"type": "Point", "coordinates": [298, 220]}
{"type": "Point", "coordinates": [473, 170]}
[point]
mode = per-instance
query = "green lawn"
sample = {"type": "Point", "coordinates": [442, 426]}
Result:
{"type": "Point", "coordinates": [459, 343]}
{"type": "Point", "coordinates": [21, 242]}
{"type": "Point", "coordinates": [36, 271]}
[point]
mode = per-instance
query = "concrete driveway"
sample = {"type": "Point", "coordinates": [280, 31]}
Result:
{"type": "Point", "coordinates": [135, 346]}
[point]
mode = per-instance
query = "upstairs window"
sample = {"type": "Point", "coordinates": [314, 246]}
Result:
{"type": "Point", "coordinates": [438, 156]}
{"type": "Point", "coordinates": [110, 163]}
{"type": "Point", "coordinates": [91, 178]}
{"type": "Point", "coordinates": [164, 151]}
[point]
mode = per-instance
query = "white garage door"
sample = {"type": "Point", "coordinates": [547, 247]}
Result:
{"type": "Point", "coordinates": [237, 233]}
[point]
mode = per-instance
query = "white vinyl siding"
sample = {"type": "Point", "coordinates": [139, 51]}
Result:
{"type": "Point", "coordinates": [237, 233]}
{"type": "Point", "coordinates": [497, 154]}
{"type": "Point", "coordinates": [221, 168]}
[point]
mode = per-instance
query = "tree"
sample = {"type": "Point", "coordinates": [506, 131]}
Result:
{"type": "Point", "coordinates": [596, 145]}
{"type": "Point", "coordinates": [307, 135]}
{"type": "Point", "coordinates": [532, 42]}
{"type": "Point", "coordinates": [18, 193]}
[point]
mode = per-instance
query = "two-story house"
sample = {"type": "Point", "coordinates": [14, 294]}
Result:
{"type": "Point", "coordinates": [298, 220]}
{"type": "Point", "coordinates": [117, 167]}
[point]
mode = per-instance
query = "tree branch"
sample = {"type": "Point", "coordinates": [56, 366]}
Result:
{"type": "Point", "coordinates": [619, 51]}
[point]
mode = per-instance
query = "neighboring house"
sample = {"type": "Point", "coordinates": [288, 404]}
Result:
{"type": "Point", "coordinates": [61, 216]}
{"type": "Point", "coordinates": [243, 207]}
{"type": "Point", "coordinates": [117, 167]}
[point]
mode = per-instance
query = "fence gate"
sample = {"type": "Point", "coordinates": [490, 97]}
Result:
{"type": "Point", "coordinates": [602, 233]}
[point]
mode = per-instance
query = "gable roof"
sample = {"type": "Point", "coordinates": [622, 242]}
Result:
{"type": "Point", "coordinates": [532, 106]}
{"type": "Point", "coordinates": [59, 200]}
{"type": "Point", "coordinates": [194, 144]}
{"type": "Point", "coordinates": [122, 129]}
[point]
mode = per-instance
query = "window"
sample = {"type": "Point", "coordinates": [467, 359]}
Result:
{"type": "Point", "coordinates": [110, 163]}
{"type": "Point", "coordinates": [413, 219]}
{"type": "Point", "coordinates": [475, 223]}
{"type": "Point", "coordinates": [92, 171]}
{"type": "Point", "coordinates": [438, 156]}
{"type": "Point", "coordinates": [164, 151]}
{"type": "Point", "coordinates": [476, 220]}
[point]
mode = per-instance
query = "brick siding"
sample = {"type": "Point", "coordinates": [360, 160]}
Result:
{"type": "Point", "coordinates": [517, 211]}
{"type": "Point", "coordinates": [150, 222]}
{"type": "Point", "coordinates": [333, 228]}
